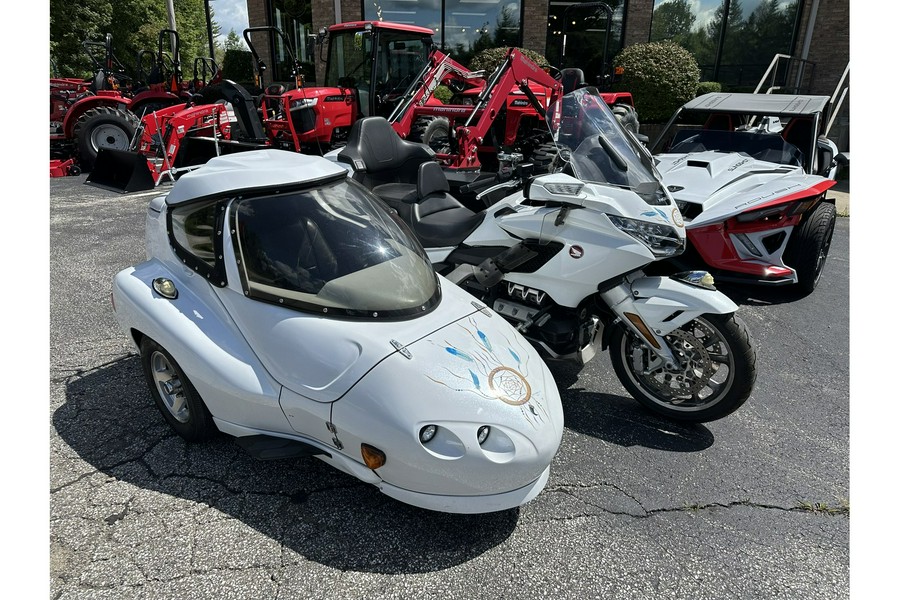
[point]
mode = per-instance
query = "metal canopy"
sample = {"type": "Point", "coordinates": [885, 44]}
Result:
{"type": "Point", "coordinates": [790, 105]}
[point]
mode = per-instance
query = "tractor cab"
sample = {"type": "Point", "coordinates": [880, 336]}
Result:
{"type": "Point", "coordinates": [376, 59]}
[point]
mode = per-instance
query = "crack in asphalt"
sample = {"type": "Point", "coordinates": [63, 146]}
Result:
{"type": "Point", "coordinates": [113, 518]}
{"type": "Point", "coordinates": [569, 489]}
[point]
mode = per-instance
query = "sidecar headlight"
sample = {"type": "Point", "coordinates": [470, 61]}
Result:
{"type": "Point", "coordinates": [427, 433]}
{"type": "Point", "coordinates": [662, 240]}
{"type": "Point", "coordinates": [483, 432]}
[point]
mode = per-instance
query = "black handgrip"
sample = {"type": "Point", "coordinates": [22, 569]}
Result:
{"type": "Point", "coordinates": [477, 185]}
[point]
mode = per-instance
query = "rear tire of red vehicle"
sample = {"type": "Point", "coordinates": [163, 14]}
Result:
{"type": "Point", "coordinates": [174, 394]}
{"type": "Point", "coordinates": [103, 127]}
{"type": "Point", "coordinates": [808, 247]}
{"type": "Point", "coordinates": [433, 132]}
{"type": "Point", "coordinates": [628, 117]}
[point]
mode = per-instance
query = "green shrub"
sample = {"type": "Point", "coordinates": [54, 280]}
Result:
{"type": "Point", "coordinates": [443, 93]}
{"type": "Point", "coordinates": [238, 66]}
{"type": "Point", "coordinates": [660, 75]}
{"type": "Point", "coordinates": [709, 87]}
{"type": "Point", "coordinates": [491, 58]}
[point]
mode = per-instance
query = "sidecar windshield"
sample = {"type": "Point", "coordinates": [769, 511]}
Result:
{"type": "Point", "coordinates": [597, 149]}
{"type": "Point", "coordinates": [333, 250]}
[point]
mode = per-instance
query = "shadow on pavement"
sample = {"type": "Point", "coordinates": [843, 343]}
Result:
{"type": "Point", "coordinates": [760, 295]}
{"type": "Point", "coordinates": [324, 515]}
{"type": "Point", "coordinates": [621, 420]}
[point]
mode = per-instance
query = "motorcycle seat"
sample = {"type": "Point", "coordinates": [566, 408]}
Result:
{"type": "Point", "coordinates": [437, 218]}
{"type": "Point", "coordinates": [384, 162]}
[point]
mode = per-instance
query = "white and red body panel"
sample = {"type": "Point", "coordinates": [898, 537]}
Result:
{"type": "Point", "coordinates": [735, 208]}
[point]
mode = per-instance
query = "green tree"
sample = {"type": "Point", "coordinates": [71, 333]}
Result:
{"type": "Point", "coordinates": [769, 30]}
{"type": "Point", "coordinates": [506, 34]}
{"type": "Point", "coordinates": [734, 29]}
{"type": "Point", "coordinates": [234, 42]}
{"type": "Point", "coordinates": [135, 26]}
{"type": "Point", "coordinates": [673, 21]}
{"type": "Point", "coordinates": [71, 24]}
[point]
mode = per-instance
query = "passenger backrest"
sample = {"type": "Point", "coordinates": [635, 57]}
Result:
{"type": "Point", "coordinates": [572, 79]}
{"type": "Point", "coordinates": [380, 155]}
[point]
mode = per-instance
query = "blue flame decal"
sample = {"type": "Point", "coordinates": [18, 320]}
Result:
{"type": "Point", "coordinates": [475, 379]}
{"type": "Point", "coordinates": [655, 213]}
{"type": "Point", "coordinates": [485, 340]}
{"type": "Point", "coordinates": [459, 353]}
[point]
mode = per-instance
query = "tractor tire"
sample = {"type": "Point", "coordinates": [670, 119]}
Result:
{"type": "Point", "coordinates": [103, 127]}
{"type": "Point", "coordinates": [543, 157]}
{"type": "Point", "coordinates": [546, 158]}
{"type": "Point", "coordinates": [434, 132]}
{"type": "Point", "coordinates": [628, 117]}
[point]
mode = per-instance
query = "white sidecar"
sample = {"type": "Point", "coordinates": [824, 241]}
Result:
{"type": "Point", "coordinates": [282, 304]}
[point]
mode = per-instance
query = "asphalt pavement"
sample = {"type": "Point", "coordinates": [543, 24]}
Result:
{"type": "Point", "coordinates": [841, 194]}
{"type": "Point", "coordinates": [755, 505]}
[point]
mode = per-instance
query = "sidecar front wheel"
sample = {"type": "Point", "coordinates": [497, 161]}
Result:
{"type": "Point", "coordinates": [716, 376]}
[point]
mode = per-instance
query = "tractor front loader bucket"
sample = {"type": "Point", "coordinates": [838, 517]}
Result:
{"type": "Point", "coordinates": [121, 171]}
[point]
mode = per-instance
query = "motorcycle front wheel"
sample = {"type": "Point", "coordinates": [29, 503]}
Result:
{"type": "Point", "coordinates": [716, 375]}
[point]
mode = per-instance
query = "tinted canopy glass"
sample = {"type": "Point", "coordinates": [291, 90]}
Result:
{"type": "Point", "coordinates": [332, 250]}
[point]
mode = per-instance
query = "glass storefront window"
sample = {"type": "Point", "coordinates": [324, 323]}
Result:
{"type": "Point", "coordinates": [463, 28]}
{"type": "Point", "coordinates": [587, 30]}
{"type": "Point", "coordinates": [294, 18]}
{"type": "Point", "coordinates": [733, 41]}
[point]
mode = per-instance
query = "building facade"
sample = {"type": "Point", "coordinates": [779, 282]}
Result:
{"type": "Point", "coordinates": [734, 41]}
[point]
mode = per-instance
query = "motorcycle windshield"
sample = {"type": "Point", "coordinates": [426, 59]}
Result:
{"type": "Point", "coordinates": [597, 149]}
{"type": "Point", "coordinates": [333, 250]}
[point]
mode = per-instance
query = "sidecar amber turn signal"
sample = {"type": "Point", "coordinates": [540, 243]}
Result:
{"type": "Point", "coordinates": [372, 456]}
{"type": "Point", "coordinates": [165, 288]}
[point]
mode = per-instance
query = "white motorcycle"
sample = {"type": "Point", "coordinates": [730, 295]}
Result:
{"type": "Point", "coordinates": [561, 257]}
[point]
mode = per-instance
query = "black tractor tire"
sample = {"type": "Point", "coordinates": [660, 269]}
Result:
{"type": "Point", "coordinates": [150, 107]}
{"type": "Point", "coordinates": [433, 132]}
{"type": "Point", "coordinates": [808, 247]}
{"type": "Point", "coordinates": [628, 117]}
{"type": "Point", "coordinates": [103, 127]}
{"type": "Point", "coordinates": [544, 157]}
{"type": "Point", "coordinates": [719, 343]}
{"type": "Point", "coordinates": [174, 394]}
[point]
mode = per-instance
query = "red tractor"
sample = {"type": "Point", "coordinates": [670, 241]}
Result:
{"type": "Point", "coordinates": [373, 68]}
{"type": "Point", "coordinates": [105, 111]}
{"type": "Point", "coordinates": [377, 68]}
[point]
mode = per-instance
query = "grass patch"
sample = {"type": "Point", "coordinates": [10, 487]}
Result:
{"type": "Point", "coordinates": [842, 508]}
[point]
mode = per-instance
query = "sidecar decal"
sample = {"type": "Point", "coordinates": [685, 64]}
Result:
{"type": "Point", "coordinates": [656, 213]}
{"type": "Point", "coordinates": [488, 375]}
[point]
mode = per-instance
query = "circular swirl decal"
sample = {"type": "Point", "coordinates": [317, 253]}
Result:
{"type": "Point", "coordinates": [509, 386]}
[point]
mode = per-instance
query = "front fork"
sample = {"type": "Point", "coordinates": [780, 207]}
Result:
{"type": "Point", "coordinates": [653, 307]}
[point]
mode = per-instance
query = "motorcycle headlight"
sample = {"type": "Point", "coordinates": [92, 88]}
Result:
{"type": "Point", "coordinates": [662, 240]}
